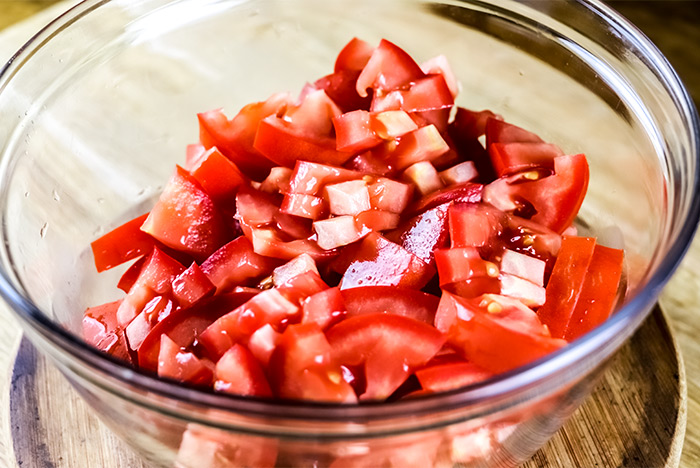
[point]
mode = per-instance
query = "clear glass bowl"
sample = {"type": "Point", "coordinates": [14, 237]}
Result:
{"type": "Point", "coordinates": [99, 105]}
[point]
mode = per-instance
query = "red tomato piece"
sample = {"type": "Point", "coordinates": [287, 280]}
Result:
{"type": "Point", "coordinates": [176, 364]}
{"type": "Point", "coordinates": [299, 287]}
{"type": "Point", "coordinates": [304, 206]}
{"type": "Point", "coordinates": [462, 263]}
{"type": "Point", "coordinates": [474, 286]}
{"type": "Point", "coordinates": [424, 144]}
{"type": "Point", "coordinates": [256, 208]}
{"type": "Point", "coordinates": [380, 262]}
{"type": "Point", "coordinates": [277, 181]}
{"type": "Point", "coordinates": [424, 233]}
{"type": "Point", "coordinates": [122, 244]}
{"type": "Point", "coordinates": [466, 193]}
{"type": "Point", "coordinates": [473, 225]}
{"type": "Point", "coordinates": [325, 308]}
{"type": "Point", "coordinates": [309, 178]}
{"type": "Point", "coordinates": [353, 56]}
{"type": "Point", "coordinates": [193, 154]}
{"type": "Point", "coordinates": [354, 132]}
{"type": "Point", "coordinates": [389, 195]}
{"type": "Point", "coordinates": [218, 176]}
{"type": "Point", "coordinates": [497, 334]}
{"type": "Point", "coordinates": [440, 65]}
{"type": "Point", "coordinates": [314, 114]}
{"type": "Point", "coordinates": [155, 278]}
{"type": "Point", "coordinates": [555, 199]}
{"type": "Point", "coordinates": [389, 67]}
{"type": "Point", "coordinates": [156, 310]}
{"type": "Point", "coordinates": [341, 88]}
{"type": "Point", "coordinates": [527, 292]}
{"type": "Point", "coordinates": [268, 307]}
{"type": "Point", "coordinates": [303, 367]}
{"type": "Point", "coordinates": [565, 283]}
{"type": "Point", "coordinates": [185, 218]}
{"type": "Point", "coordinates": [191, 286]}
{"type": "Point", "coordinates": [370, 163]}
{"type": "Point", "coordinates": [523, 266]}
{"type": "Point", "coordinates": [129, 277]}
{"type": "Point", "coordinates": [411, 303]}
{"type": "Point", "coordinates": [444, 377]}
{"type": "Point", "coordinates": [239, 373]}
{"type": "Point", "coordinates": [377, 220]}
{"type": "Point", "coordinates": [389, 346]}
{"type": "Point", "coordinates": [425, 94]}
{"type": "Point", "coordinates": [599, 292]}
{"type": "Point", "coordinates": [509, 158]}
{"type": "Point", "coordinates": [235, 138]}
{"type": "Point", "coordinates": [235, 264]}
{"type": "Point", "coordinates": [460, 173]}
{"type": "Point", "coordinates": [285, 144]}
{"type": "Point", "coordinates": [183, 326]}
{"type": "Point", "coordinates": [102, 330]}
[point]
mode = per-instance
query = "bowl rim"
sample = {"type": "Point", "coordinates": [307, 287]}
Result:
{"type": "Point", "coordinates": [625, 320]}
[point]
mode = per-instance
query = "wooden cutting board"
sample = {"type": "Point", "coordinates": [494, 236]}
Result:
{"type": "Point", "coordinates": [634, 418]}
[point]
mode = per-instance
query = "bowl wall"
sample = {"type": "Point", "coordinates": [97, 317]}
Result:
{"type": "Point", "coordinates": [100, 106]}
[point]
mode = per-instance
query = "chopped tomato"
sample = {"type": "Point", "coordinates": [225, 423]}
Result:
{"type": "Point", "coordinates": [212, 448]}
{"type": "Point", "coordinates": [354, 56]}
{"type": "Point", "coordinates": [388, 68]}
{"type": "Point", "coordinates": [448, 376]}
{"type": "Point", "coordinates": [425, 94]}
{"type": "Point", "coordinates": [509, 158]}
{"type": "Point", "coordinates": [218, 176]}
{"type": "Point", "coordinates": [566, 282]}
{"type": "Point", "coordinates": [235, 138]}
{"type": "Point", "coordinates": [380, 262]}
{"type": "Point", "coordinates": [238, 372]}
{"type": "Point", "coordinates": [499, 131]}
{"type": "Point", "coordinates": [424, 233]}
{"type": "Point", "coordinates": [555, 199]}
{"type": "Point", "coordinates": [303, 366]}
{"type": "Point", "coordinates": [462, 263]}
{"type": "Point", "coordinates": [411, 303]}
{"type": "Point", "coordinates": [324, 308]}
{"type": "Point", "coordinates": [185, 218]}
{"type": "Point", "coordinates": [389, 346]}
{"type": "Point", "coordinates": [101, 329]}
{"type": "Point", "coordinates": [235, 264]}
{"type": "Point", "coordinates": [309, 178]}
{"type": "Point", "coordinates": [354, 132]}
{"type": "Point", "coordinates": [176, 364]}
{"type": "Point", "coordinates": [122, 244]}
{"type": "Point", "coordinates": [191, 286]}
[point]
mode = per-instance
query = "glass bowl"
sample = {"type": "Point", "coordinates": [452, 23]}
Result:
{"type": "Point", "coordinates": [100, 104]}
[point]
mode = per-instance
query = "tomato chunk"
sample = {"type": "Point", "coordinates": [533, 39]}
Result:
{"type": "Point", "coordinates": [238, 372]}
{"type": "Point", "coordinates": [122, 244]}
{"type": "Point", "coordinates": [389, 67]}
{"type": "Point", "coordinates": [185, 218]}
{"type": "Point", "coordinates": [389, 346]}
{"type": "Point", "coordinates": [173, 363]}
{"type": "Point", "coordinates": [407, 302]}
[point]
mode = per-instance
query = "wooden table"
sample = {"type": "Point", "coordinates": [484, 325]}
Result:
{"type": "Point", "coordinates": [614, 428]}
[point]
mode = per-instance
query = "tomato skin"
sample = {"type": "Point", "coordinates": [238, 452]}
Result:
{"type": "Point", "coordinates": [176, 364]}
{"type": "Point", "coordinates": [473, 225]}
{"type": "Point", "coordinates": [235, 137]}
{"type": "Point", "coordinates": [309, 178]}
{"type": "Point", "coordinates": [388, 68]}
{"type": "Point", "coordinates": [466, 193]}
{"type": "Point", "coordinates": [411, 303]}
{"type": "Point", "coordinates": [500, 340]}
{"type": "Point", "coordinates": [424, 233]}
{"type": "Point", "coordinates": [185, 218]}
{"type": "Point", "coordinates": [354, 133]}
{"type": "Point", "coordinates": [353, 56]}
{"type": "Point", "coordinates": [191, 286]}
{"type": "Point", "coordinates": [236, 264]}
{"type": "Point", "coordinates": [388, 345]}
{"type": "Point", "coordinates": [239, 373]}
{"type": "Point", "coordinates": [509, 158]}
{"type": "Point", "coordinates": [380, 262]}
{"type": "Point", "coordinates": [426, 94]}
{"type": "Point", "coordinates": [566, 282]}
{"type": "Point", "coordinates": [340, 87]}
{"type": "Point", "coordinates": [462, 263]}
{"type": "Point", "coordinates": [423, 144]}
{"type": "Point", "coordinates": [284, 144]}
{"type": "Point", "coordinates": [256, 208]}
{"type": "Point", "coordinates": [556, 198]}
{"type": "Point", "coordinates": [121, 244]}
{"type": "Point", "coordinates": [598, 293]}
{"type": "Point", "coordinates": [448, 376]}
{"type": "Point", "coordinates": [184, 325]}
{"type": "Point", "coordinates": [325, 308]}
{"type": "Point", "coordinates": [303, 367]}
{"type": "Point", "coordinates": [218, 176]}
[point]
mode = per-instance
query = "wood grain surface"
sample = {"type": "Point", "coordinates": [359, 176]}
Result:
{"type": "Point", "coordinates": [636, 417]}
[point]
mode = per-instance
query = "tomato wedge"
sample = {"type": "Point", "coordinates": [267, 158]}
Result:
{"type": "Point", "coordinates": [388, 68]}
{"type": "Point", "coordinates": [389, 346]}
{"type": "Point", "coordinates": [238, 372]}
{"type": "Point", "coordinates": [406, 302]}
{"type": "Point", "coordinates": [122, 244]}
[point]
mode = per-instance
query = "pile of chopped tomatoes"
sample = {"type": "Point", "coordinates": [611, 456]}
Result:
{"type": "Point", "coordinates": [368, 240]}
